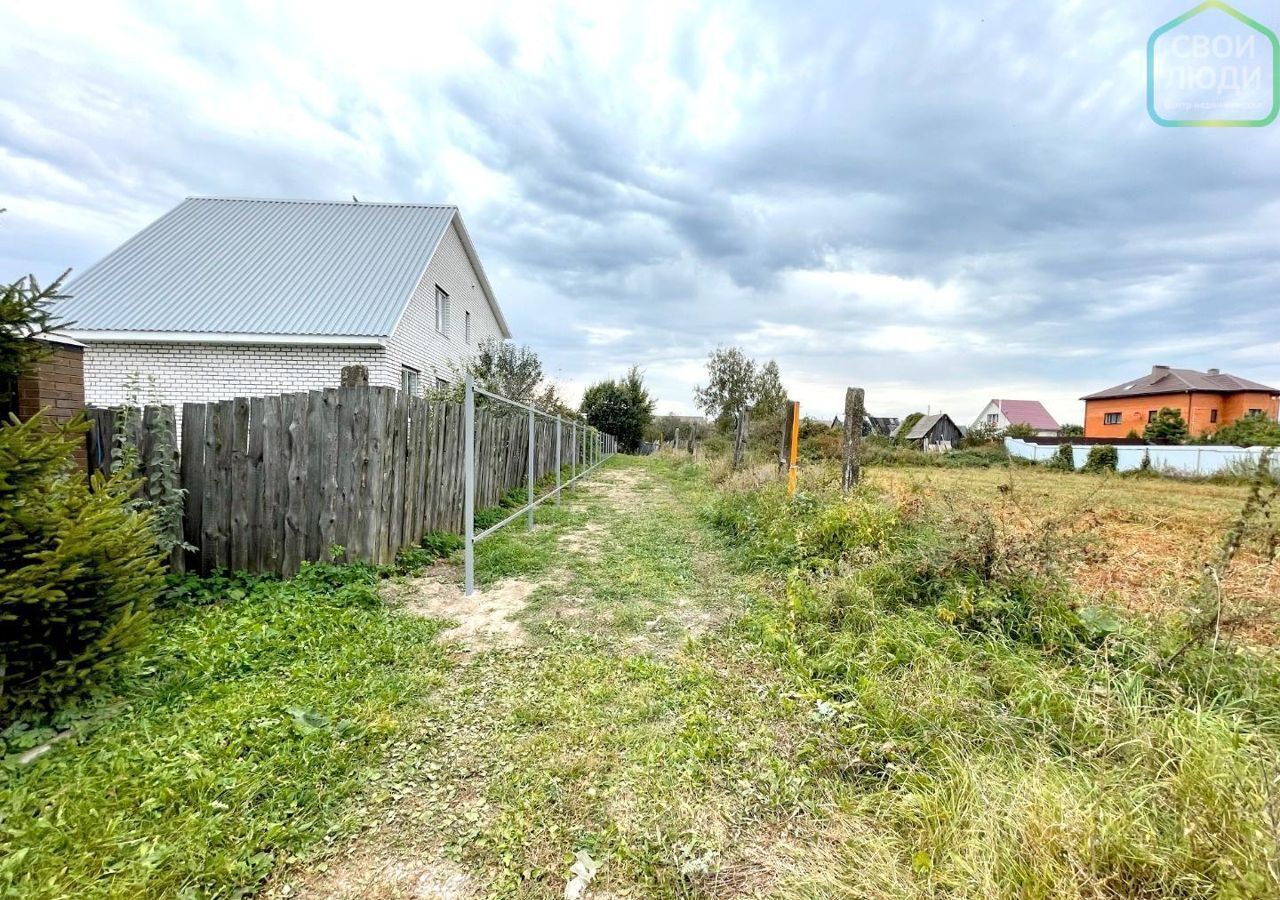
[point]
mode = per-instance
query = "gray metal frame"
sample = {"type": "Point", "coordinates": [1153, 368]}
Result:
{"type": "Point", "coordinates": [596, 447]}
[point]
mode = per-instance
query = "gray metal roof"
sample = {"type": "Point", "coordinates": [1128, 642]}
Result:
{"type": "Point", "coordinates": [265, 267]}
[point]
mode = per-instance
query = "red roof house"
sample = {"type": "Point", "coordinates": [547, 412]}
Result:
{"type": "Point", "coordinates": [1003, 413]}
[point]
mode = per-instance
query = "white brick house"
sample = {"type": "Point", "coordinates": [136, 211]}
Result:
{"type": "Point", "coordinates": [224, 298]}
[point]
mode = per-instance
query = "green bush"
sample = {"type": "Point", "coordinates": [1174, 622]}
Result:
{"type": "Point", "coordinates": [1064, 460]}
{"type": "Point", "coordinates": [1102, 458]}
{"type": "Point", "coordinates": [79, 568]}
{"type": "Point", "coordinates": [1168, 427]}
{"type": "Point", "coordinates": [879, 454]}
{"type": "Point", "coordinates": [1250, 431]}
{"type": "Point", "coordinates": [900, 436]}
{"type": "Point", "coordinates": [982, 434]}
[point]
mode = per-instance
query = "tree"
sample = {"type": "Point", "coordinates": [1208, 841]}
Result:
{"type": "Point", "coordinates": [501, 367]}
{"type": "Point", "coordinates": [771, 396]}
{"type": "Point", "coordinates": [736, 389]}
{"type": "Point", "coordinates": [622, 408]}
{"type": "Point", "coordinates": [79, 568]}
{"type": "Point", "coordinates": [1019, 430]}
{"type": "Point", "coordinates": [1168, 427]}
{"type": "Point", "coordinates": [1071, 431]}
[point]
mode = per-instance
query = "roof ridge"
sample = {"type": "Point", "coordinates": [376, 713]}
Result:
{"type": "Point", "coordinates": [302, 202]}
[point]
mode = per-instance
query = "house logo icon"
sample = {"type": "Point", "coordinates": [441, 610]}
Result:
{"type": "Point", "coordinates": [1213, 67]}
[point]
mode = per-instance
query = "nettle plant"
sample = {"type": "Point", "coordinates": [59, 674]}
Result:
{"type": "Point", "coordinates": [162, 495]}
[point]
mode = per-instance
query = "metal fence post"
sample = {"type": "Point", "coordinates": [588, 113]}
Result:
{"type": "Point", "coordinates": [531, 424]}
{"type": "Point", "coordinates": [573, 454]}
{"type": "Point", "coordinates": [469, 482]}
{"type": "Point", "coordinates": [558, 461]}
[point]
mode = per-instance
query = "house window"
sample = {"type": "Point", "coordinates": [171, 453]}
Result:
{"type": "Point", "coordinates": [442, 310]}
{"type": "Point", "coordinates": [466, 320]}
{"type": "Point", "coordinates": [993, 418]}
{"type": "Point", "coordinates": [1151, 415]}
{"type": "Point", "coordinates": [1213, 417]}
{"type": "Point", "coordinates": [1255, 412]}
{"type": "Point", "coordinates": [410, 381]}
{"type": "Point", "coordinates": [441, 384]}
{"type": "Point", "coordinates": [1111, 419]}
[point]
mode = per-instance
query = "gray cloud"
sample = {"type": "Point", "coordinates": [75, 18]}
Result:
{"type": "Point", "coordinates": [942, 205]}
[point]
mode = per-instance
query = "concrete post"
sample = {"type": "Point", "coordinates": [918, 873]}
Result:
{"type": "Point", "coordinates": [855, 411]}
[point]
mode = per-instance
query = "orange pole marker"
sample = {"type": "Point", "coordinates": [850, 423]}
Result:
{"type": "Point", "coordinates": [795, 448]}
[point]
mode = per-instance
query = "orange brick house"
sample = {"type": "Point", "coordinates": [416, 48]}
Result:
{"type": "Point", "coordinates": [1207, 401]}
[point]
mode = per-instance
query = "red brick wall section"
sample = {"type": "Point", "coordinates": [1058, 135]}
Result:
{"type": "Point", "coordinates": [1196, 409]}
{"type": "Point", "coordinates": [57, 387]}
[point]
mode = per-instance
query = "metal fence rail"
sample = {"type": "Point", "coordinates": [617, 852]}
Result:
{"type": "Point", "coordinates": [595, 447]}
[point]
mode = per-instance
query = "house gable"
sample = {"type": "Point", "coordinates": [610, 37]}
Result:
{"type": "Point", "coordinates": [416, 342]}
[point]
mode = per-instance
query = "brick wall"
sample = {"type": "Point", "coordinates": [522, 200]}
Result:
{"type": "Point", "coordinates": [1197, 410]}
{"type": "Point", "coordinates": [56, 385]}
{"type": "Point", "coordinates": [194, 373]}
{"type": "Point", "coordinates": [416, 342]}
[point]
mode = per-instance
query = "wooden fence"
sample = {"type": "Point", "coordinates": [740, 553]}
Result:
{"type": "Point", "coordinates": [355, 472]}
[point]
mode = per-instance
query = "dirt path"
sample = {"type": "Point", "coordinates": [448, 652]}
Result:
{"type": "Point", "coordinates": [599, 717]}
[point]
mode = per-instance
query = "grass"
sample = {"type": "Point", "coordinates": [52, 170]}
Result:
{"type": "Point", "coordinates": [1141, 542]}
{"type": "Point", "coordinates": [721, 693]}
{"type": "Point", "coordinates": [237, 739]}
{"type": "Point", "coordinates": [1002, 736]}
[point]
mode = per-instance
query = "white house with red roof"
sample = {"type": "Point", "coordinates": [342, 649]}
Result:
{"type": "Point", "coordinates": [1003, 413]}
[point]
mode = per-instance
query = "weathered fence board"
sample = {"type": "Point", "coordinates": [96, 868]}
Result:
{"type": "Point", "coordinates": [272, 482]}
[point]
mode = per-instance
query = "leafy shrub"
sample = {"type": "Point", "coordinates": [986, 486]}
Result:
{"type": "Point", "coordinates": [900, 436]}
{"type": "Point", "coordinates": [1250, 431]}
{"type": "Point", "coordinates": [1020, 430]}
{"type": "Point", "coordinates": [982, 434]}
{"type": "Point", "coordinates": [1064, 460]}
{"type": "Point", "coordinates": [79, 568]}
{"type": "Point", "coordinates": [1102, 458]}
{"type": "Point", "coordinates": [973, 457]}
{"type": "Point", "coordinates": [821, 443]}
{"type": "Point", "coordinates": [1168, 427]}
{"type": "Point", "coordinates": [435, 545]}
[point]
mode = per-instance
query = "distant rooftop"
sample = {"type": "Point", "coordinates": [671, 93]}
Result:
{"type": "Point", "coordinates": [1167, 380]}
{"type": "Point", "coordinates": [1027, 412]}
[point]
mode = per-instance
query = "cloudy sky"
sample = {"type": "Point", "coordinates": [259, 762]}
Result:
{"type": "Point", "coordinates": [941, 202]}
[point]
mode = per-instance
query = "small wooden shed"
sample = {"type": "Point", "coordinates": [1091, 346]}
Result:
{"type": "Point", "coordinates": [935, 434]}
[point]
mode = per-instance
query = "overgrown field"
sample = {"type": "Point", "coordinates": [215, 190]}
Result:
{"type": "Point", "coordinates": [1004, 734]}
{"type": "Point", "coordinates": [1141, 543]}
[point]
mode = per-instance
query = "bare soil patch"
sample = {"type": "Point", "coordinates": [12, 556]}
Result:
{"type": "Point", "coordinates": [369, 876]}
{"type": "Point", "coordinates": [486, 619]}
